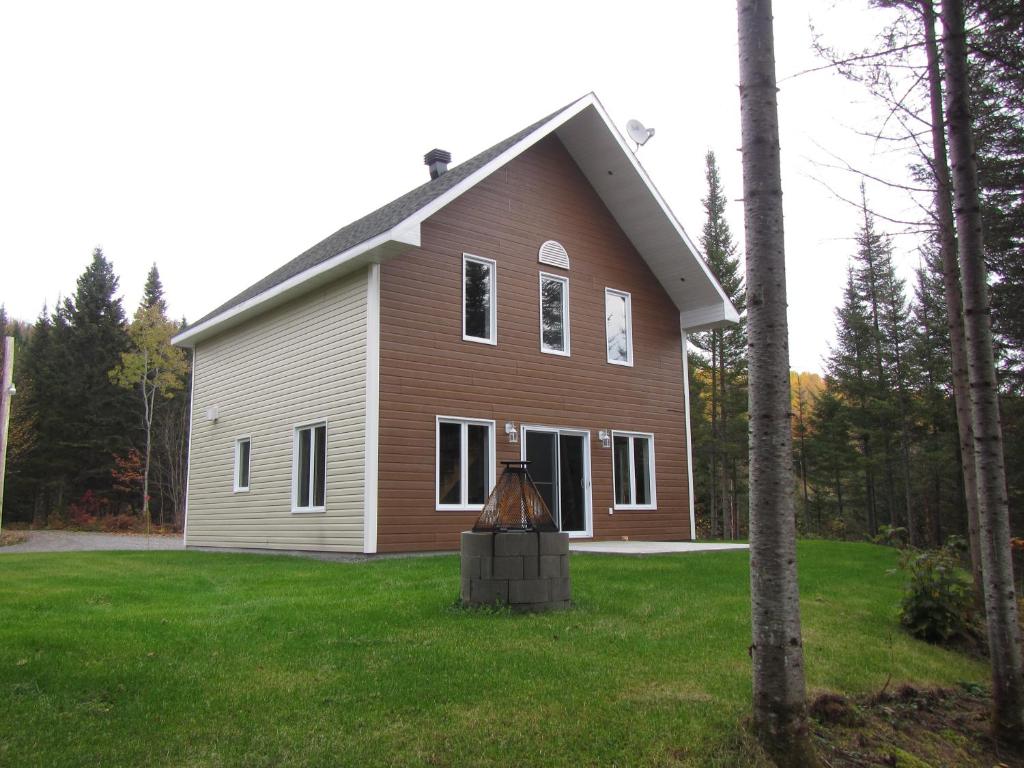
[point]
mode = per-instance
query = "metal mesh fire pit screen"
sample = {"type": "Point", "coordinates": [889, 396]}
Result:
{"type": "Point", "coordinates": [515, 504]}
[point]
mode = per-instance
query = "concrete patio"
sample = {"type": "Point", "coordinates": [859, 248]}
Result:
{"type": "Point", "coordinates": [651, 547]}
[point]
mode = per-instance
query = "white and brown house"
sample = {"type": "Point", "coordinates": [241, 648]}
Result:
{"type": "Point", "coordinates": [532, 302]}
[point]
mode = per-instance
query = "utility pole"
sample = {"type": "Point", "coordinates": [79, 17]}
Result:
{"type": "Point", "coordinates": [5, 413]}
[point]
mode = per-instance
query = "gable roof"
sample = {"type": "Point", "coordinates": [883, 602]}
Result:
{"type": "Point", "coordinates": [590, 137]}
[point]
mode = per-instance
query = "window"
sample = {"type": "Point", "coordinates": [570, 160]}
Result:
{"type": "Point", "coordinates": [243, 450]}
{"type": "Point", "coordinates": [479, 300]}
{"type": "Point", "coordinates": [633, 470]}
{"type": "Point", "coordinates": [618, 326]}
{"type": "Point", "coordinates": [309, 473]}
{"type": "Point", "coordinates": [554, 314]}
{"type": "Point", "coordinates": [465, 463]}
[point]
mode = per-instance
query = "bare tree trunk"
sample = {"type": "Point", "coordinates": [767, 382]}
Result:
{"type": "Point", "coordinates": [954, 302]}
{"type": "Point", "coordinates": [779, 700]}
{"type": "Point", "coordinates": [715, 507]}
{"type": "Point", "coordinates": [993, 513]}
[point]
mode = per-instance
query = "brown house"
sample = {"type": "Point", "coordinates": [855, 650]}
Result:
{"type": "Point", "coordinates": [532, 302]}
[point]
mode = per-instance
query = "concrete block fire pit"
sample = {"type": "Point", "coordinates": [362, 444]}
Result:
{"type": "Point", "coordinates": [515, 555]}
{"type": "Point", "coordinates": [525, 570]}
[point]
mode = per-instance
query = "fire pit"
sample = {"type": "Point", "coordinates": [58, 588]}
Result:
{"type": "Point", "coordinates": [515, 554]}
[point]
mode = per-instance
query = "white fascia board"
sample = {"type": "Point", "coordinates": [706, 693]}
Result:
{"type": "Point", "coordinates": [403, 235]}
{"type": "Point", "coordinates": [639, 169]}
{"type": "Point", "coordinates": [708, 317]}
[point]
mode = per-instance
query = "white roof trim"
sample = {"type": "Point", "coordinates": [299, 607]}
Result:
{"type": "Point", "coordinates": [404, 234]}
{"type": "Point", "coordinates": [408, 231]}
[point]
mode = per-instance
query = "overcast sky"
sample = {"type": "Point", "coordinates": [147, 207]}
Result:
{"type": "Point", "coordinates": [220, 140]}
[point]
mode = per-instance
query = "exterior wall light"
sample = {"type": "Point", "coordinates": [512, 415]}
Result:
{"type": "Point", "coordinates": [605, 438]}
{"type": "Point", "coordinates": [510, 430]}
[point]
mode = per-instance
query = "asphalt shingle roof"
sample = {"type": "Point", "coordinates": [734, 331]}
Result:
{"type": "Point", "coordinates": [377, 222]}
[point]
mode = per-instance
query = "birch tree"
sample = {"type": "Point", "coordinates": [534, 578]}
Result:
{"type": "Point", "coordinates": [993, 512]}
{"type": "Point", "coordinates": [779, 695]}
{"type": "Point", "coordinates": [155, 369]}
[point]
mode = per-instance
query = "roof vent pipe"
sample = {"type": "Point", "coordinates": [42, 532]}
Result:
{"type": "Point", "coordinates": [437, 160]}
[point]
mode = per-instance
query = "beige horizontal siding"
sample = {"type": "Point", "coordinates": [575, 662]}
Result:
{"type": "Point", "coordinates": [301, 363]}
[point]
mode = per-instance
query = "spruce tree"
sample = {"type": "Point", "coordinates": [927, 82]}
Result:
{"type": "Point", "coordinates": [849, 374]}
{"type": "Point", "coordinates": [99, 422]}
{"type": "Point", "coordinates": [153, 293]}
{"type": "Point", "coordinates": [725, 364]}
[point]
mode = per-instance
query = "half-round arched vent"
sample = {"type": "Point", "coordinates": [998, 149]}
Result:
{"type": "Point", "coordinates": [554, 254]}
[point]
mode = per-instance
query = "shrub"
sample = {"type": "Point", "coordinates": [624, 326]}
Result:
{"type": "Point", "coordinates": [83, 513]}
{"type": "Point", "coordinates": [937, 596]}
{"type": "Point", "coordinates": [114, 523]}
{"type": "Point", "coordinates": [892, 536]}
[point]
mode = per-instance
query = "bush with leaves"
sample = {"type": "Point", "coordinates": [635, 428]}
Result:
{"type": "Point", "coordinates": [937, 595]}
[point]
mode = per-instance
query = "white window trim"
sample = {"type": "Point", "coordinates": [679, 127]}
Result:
{"type": "Point", "coordinates": [493, 340]}
{"type": "Point", "coordinates": [238, 453]}
{"type": "Point", "coordinates": [628, 362]}
{"type": "Point", "coordinates": [565, 313]}
{"type": "Point", "coordinates": [632, 471]}
{"type": "Point", "coordinates": [296, 509]}
{"type": "Point", "coordinates": [464, 468]}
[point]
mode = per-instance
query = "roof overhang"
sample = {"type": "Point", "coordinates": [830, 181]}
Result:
{"type": "Point", "coordinates": [613, 171]}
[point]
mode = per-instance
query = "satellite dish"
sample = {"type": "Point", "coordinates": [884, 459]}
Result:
{"type": "Point", "coordinates": [638, 133]}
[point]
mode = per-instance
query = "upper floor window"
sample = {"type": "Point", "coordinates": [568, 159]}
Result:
{"type": "Point", "coordinates": [243, 451]}
{"type": "Point", "coordinates": [309, 469]}
{"type": "Point", "coordinates": [554, 314]}
{"type": "Point", "coordinates": [618, 326]}
{"type": "Point", "coordinates": [479, 300]}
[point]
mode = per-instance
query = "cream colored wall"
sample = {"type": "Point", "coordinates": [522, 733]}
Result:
{"type": "Point", "coordinates": [302, 362]}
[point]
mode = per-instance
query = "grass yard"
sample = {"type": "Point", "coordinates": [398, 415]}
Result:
{"type": "Point", "coordinates": [182, 658]}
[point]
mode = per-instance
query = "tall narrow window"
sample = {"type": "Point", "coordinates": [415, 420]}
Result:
{"type": "Point", "coordinates": [618, 326]}
{"type": "Point", "coordinates": [465, 463]}
{"type": "Point", "coordinates": [243, 449]}
{"type": "Point", "coordinates": [310, 469]}
{"type": "Point", "coordinates": [479, 300]}
{"type": "Point", "coordinates": [633, 471]}
{"type": "Point", "coordinates": [554, 314]}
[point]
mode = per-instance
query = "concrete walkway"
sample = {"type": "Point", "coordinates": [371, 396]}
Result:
{"type": "Point", "coordinates": [650, 547]}
{"type": "Point", "coordinates": [81, 541]}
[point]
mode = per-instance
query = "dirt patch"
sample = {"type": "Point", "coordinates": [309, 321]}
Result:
{"type": "Point", "coordinates": [909, 728]}
{"type": "Point", "coordinates": [10, 538]}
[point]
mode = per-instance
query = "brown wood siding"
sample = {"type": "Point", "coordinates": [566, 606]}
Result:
{"type": "Point", "coordinates": [426, 369]}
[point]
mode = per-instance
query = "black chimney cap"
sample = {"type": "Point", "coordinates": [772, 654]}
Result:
{"type": "Point", "coordinates": [437, 156]}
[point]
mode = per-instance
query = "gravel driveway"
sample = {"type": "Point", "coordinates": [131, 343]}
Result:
{"type": "Point", "coordinates": [78, 541]}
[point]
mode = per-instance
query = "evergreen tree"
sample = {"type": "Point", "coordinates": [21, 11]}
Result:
{"type": "Point", "coordinates": [724, 360]}
{"type": "Point", "coordinates": [153, 293]}
{"type": "Point", "coordinates": [936, 436]}
{"type": "Point", "coordinates": [98, 421]}
{"type": "Point", "coordinates": [849, 376]}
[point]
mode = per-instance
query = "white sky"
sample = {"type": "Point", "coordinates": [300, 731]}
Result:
{"type": "Point", "coordinates": [222, 139]}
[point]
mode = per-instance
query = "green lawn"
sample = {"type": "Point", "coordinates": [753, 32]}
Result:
{"type": "Point", "coordinates": [200, 659]}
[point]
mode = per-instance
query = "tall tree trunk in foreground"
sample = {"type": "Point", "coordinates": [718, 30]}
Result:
{"type": "Point", "coordinates": [954, 302]}
{"type": "Point", "coordinates": [997, 568]}
{"type": "Point", "coordinates": [780, 710]}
